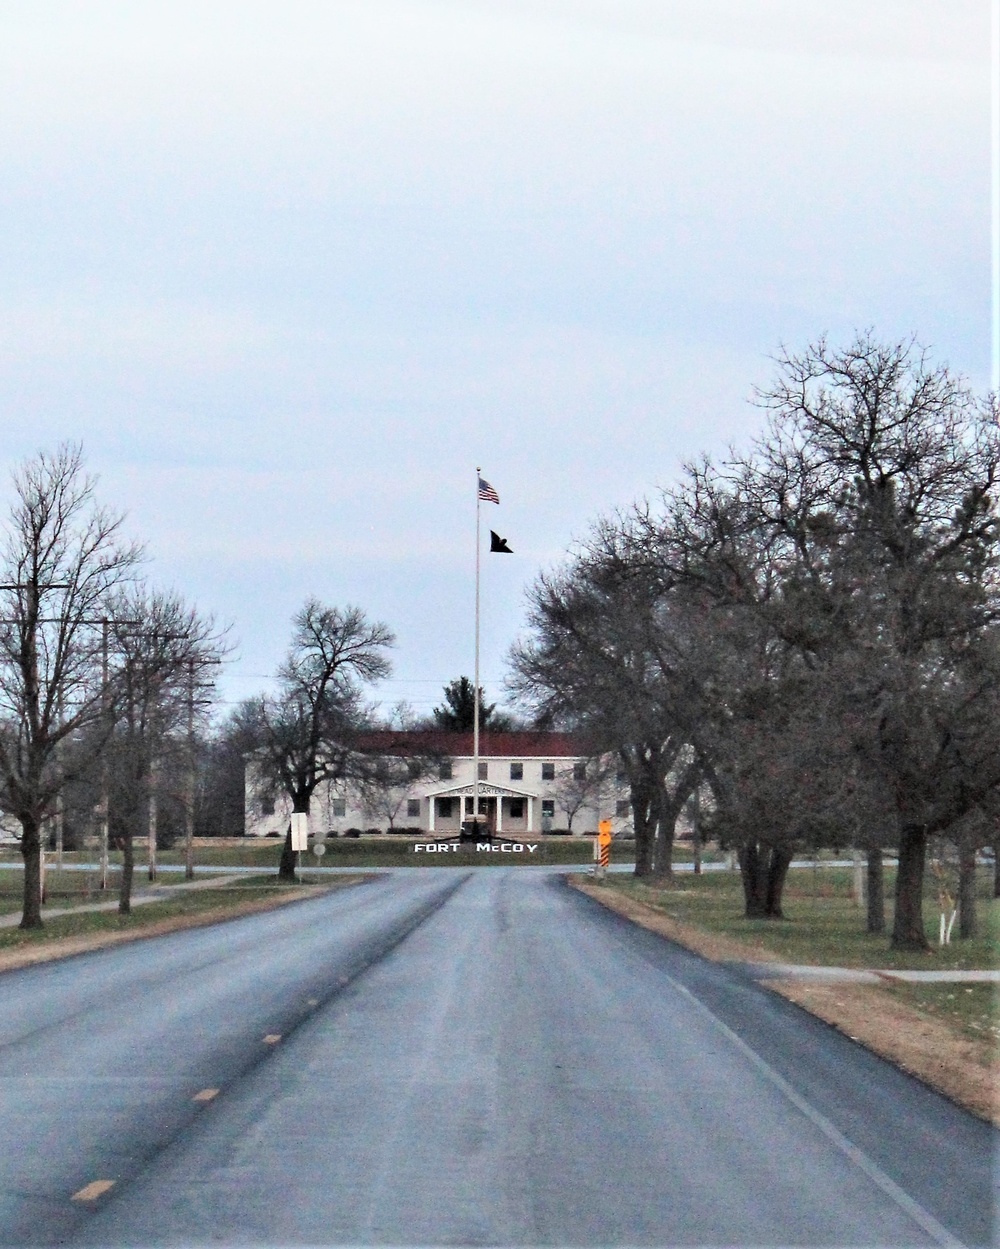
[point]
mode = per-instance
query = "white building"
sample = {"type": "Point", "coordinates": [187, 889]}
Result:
{"type": "Point", "coordinates": [529, 782]}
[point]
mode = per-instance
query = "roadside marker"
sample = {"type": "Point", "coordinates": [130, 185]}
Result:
{"type": "Point", "coordinates": [272, 1038]}
{"type": "Point", "coordinates": [205, 1095]}
{"type": "Point", "coordinates": [602, 848]}
{"type": "Point", "coordinates": [93, 1190]}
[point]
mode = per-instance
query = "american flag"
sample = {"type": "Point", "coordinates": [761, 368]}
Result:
{"type": "Point", "coordinates": [487, 492]}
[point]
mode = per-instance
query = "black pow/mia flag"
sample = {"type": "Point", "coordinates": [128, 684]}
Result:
{"type": "Point", "coordinates": [499, 544]}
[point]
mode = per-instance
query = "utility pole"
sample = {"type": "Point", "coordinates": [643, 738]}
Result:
{"type": "Point", "coordinates": [696, 813]}
{"type": "Point", "coordinates": [105, 796]}
{"type": "Point", "coordinates": [154, 808]}
{"type": "Point", "coordinates": [190, 786]}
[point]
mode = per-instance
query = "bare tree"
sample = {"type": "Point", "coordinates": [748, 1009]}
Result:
{"type": "Point", "coordinates": [385, 781]}
{"type": "Point", "coordinates": [159, 648]}
{"type": "Point", "coordinates": [307, 732]}
{"type": "Point", "coordinates": [63, 558]}
{"type": "Point", "coordinates": [878, 474]}
{"type": "Point", "coordinates": [860, 539]}
{"type": "Point", "coordinates": [614, 656]}
{"type": "Point", "coordinates": [584, 783]}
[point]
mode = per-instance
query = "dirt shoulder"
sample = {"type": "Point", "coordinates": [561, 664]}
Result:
{"type": "Point", "coordinates": [964, 1070]}
{"type": "Point", "coordinates": [66, 947]}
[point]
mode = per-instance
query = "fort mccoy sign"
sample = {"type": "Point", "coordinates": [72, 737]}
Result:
{"type": "Point", "coordinates": [482, 847]}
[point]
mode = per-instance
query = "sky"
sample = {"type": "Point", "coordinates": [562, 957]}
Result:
{"type": "Point", "coordinates": [290, 271]}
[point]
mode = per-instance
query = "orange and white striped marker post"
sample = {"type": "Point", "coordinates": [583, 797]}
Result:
{"type": "Point", "coordinates": [602, 848]}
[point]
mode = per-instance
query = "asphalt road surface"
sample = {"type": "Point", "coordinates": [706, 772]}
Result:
{"type": "Point", "coordinates": [457, 1058]}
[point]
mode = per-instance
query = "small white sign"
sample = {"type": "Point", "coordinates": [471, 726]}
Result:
{"type": "Point", "coordinates": [319, 849]}
{"type": "Point", "coordinates": [300, 830]}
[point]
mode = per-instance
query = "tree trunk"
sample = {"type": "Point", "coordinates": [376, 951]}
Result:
{"type": "Point", "coordinates": [777, 873]}
{"type": "Point", "coordinates": [286, 866]}
{"type": "Point", "coordinates": [908, 924]}
{"type": "Point", "coordinates": [763, 870]}
{"type": "Point", "coordinates": [663, 850]}
{"type": "Point", "coordinates": [643, 836]}
{"type": "Point", "coordinates": [966, 888]}
{"type": "Point", "coordinates": [876, 890]}
{"type": "Point", "coordinates": [31, 849]}
{"type": "Point", "coordinates": [753, 872]}
{"type": "Point", "coordinates": [996, 868]}
{"type": "Point", "coordinates": [128, 867]}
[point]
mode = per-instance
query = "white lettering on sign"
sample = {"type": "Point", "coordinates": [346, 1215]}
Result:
{"type": "Point", "coordinates": [444, 847]}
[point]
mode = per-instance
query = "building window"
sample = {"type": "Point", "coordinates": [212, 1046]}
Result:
{"type": "Point", "coordinates": [580, 770]}
{"type": "Point", "coordinates": [267, 806]}
{"type": "Point", "coordinates": [517, 771]}
{"type": "Point", "coordinates": [483, 769]}
{"type": "Point", "coordinates": [517, 808]}
{"type": "Point", "coordinates": [444, 770]}
{"type": "Point", "coordinates": [548, 771]}
{"type": "Point", "coordinates": [622, 808]}
{"type": "Point", "coordinates": [413, 808]}
{"type": "Point", "coordinates": [338, 808]}
{"type": "Point", "coordinates": [444, 807]}
{"type": "Point", "coordinates": [548, 807]}
{"type": "Point", "coordinates": [413, 769]}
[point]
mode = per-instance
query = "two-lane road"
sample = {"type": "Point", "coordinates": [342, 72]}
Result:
{"type": "Point", "coordinates": [446, 1057]}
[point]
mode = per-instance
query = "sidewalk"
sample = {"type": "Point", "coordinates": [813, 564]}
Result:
{"type": "Point", "coordinates": [861, 975]}
{"type": "Point", "coordinates": [154, 893]}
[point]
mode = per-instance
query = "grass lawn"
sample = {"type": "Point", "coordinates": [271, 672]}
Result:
{"type": "Point", "coordinates": [822, 925]}
{"type": "Point", "coordinates": [76, 888]}
{"type": "Point", "coordinates": [229, 897]}
{"type": "Point", "coordinates": [971, 1008]}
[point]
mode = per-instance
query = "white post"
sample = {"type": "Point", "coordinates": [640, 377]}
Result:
{"type": "Point", "coordinates": [499, 813]}
{"type": "Point", "coordinates": [858, 882]}
{"type": "Point", "coordinates": [531, 808]}
{"type": "Point", "coordinates": [430, 814]}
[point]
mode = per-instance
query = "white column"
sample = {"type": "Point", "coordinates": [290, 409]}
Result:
{"type": "Point", "coordinates": [430, 819]}
{"type": "Point", "coordinates": [530, 809]}
{"type": "Point", "coordinates": [499, 813]}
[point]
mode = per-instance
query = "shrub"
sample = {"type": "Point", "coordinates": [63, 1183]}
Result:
{"type": "Point", "coordinates": [373, 832]}
{"type": "Point", "coordinates": [353, 832]}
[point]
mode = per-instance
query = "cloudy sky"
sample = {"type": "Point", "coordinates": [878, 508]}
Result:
{"type": "Point", "coordinates": [291, 270]}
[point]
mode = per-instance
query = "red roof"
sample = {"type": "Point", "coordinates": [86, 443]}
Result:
{"type": "Point", "coordinates": [519, 745]}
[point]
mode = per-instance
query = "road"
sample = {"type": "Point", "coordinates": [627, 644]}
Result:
{"type": "Point", "coordinates": [448, 1057]}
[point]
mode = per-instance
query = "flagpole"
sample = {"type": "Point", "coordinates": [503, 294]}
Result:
{"type": "Point", "coordinates": [475, 684]}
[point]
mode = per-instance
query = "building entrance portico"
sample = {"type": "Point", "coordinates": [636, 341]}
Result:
{"type": "Point", "coordinates": [513, 808]}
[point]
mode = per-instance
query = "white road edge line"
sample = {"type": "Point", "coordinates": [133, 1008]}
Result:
{"type": "Point", "coordinates": [861, 1160]}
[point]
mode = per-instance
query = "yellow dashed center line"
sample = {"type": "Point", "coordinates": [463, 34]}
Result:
{"type": "Point", "coordinates": [93, 1190]}
{"type": "Point", "coordinates": [272, 1038]}
{"type": "Point", "coordinates": [205, 1095]}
